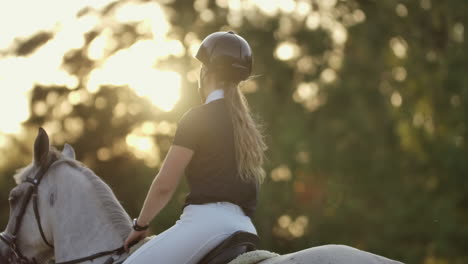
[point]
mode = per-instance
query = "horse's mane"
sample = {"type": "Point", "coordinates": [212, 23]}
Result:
{"type": "Point", "coordinates": [109, 203]}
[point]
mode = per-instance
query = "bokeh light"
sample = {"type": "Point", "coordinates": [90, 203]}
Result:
{"type": "Point", "coordinates": [133, 67]}
{"type": "Point", "coordinates": [358, 101]}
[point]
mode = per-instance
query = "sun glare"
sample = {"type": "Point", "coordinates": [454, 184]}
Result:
{"type": "Point", "coordinates": [162, 88]}
{"type": "Point", "coordinates": [14, 98]}
{"type": "Point", "coordinates": [133, 66]}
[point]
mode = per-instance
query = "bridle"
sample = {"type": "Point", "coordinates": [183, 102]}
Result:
{"type": "Point", "coordinates": [15, 255]}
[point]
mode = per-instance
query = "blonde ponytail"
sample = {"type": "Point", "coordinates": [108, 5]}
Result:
{"type": "Point", "coordinates": [248, 139]}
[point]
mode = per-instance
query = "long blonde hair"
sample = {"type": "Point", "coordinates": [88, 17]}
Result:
{"type": "Point", "coordinates": [248, 139]}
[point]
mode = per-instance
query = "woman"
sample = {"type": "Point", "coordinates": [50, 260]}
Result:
{"type": "Point", "coordinates": [221, 150]}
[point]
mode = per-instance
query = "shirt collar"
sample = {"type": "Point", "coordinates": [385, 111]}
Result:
{"type": "Point", "coordinates": [214, 95]}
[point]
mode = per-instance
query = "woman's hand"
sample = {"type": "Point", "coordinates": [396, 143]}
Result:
{"type": "Point", "coordinates": [134, 237]}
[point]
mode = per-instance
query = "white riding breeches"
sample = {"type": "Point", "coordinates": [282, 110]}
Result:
{"type": "Point", "coordinates": [199, 229]}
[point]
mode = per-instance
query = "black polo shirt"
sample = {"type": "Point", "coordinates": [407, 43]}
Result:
{"type": "Point", "coordinates": [212, 172]}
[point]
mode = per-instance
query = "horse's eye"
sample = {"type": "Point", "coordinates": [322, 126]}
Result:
{"type": "Point", "coordinates": [12, 198]}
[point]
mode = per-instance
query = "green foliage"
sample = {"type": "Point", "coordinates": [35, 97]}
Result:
{"type": "Point", "coordinates": [372, 154]}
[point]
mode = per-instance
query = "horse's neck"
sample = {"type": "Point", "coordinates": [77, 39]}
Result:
{"type": "Point", "coordinates": [80, 226]}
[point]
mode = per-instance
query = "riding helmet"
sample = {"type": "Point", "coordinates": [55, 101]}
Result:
{"type": "Point", "coordinates": [226, 54]}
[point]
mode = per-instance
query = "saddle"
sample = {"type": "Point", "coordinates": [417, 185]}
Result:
{"type": "Point", "coordinates": [238, 243]}
{"type": "Point", "coordinates": [235, 245]}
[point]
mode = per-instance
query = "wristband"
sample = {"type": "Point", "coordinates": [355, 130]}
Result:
{"type": "Point", "coordinates": [137, 227]}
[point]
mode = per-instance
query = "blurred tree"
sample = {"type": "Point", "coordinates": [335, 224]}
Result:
{"type": "Point", "coordinates": [364, 106]}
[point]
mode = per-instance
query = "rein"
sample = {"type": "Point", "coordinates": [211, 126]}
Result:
{"type": "Point", "coordinates": [16, 256]}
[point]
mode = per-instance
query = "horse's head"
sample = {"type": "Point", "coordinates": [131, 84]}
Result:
{"type": "Point", "coordinates": [31, 204]}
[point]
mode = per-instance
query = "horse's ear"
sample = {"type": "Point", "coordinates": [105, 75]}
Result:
{"type": "Point", "coordinates": [41, 146]}
{"type": "Point", "coordinates": [68, 151]}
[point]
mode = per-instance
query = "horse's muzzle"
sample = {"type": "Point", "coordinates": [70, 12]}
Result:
{"type": "Point", "coordinates": [4, 253]}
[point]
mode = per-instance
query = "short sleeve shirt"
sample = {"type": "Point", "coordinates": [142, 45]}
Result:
{"type": "Point", "coordinates": [212, 173]}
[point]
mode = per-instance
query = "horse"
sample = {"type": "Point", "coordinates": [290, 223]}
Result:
{"type": "Point", "coordinates": [62, 212]}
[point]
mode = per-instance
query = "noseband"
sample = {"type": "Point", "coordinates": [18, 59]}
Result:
{"type": "Point", "coordinates": [15, 256]}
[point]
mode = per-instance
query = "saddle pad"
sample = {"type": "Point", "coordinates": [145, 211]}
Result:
{"type": "Point", "coordinates": [253, 257]}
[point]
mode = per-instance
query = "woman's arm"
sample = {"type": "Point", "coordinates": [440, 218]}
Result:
{"type": "Point", "coordinates": [162, 189]}
{"type": "Point", "coordinates": [165, 183]}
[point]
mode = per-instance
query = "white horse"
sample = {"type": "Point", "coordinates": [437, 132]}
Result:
{"type": "Point", "coordinates": [75, 212]}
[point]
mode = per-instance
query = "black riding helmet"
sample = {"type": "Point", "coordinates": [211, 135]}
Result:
{"type": "Point", "coordinates": [227, 55]}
